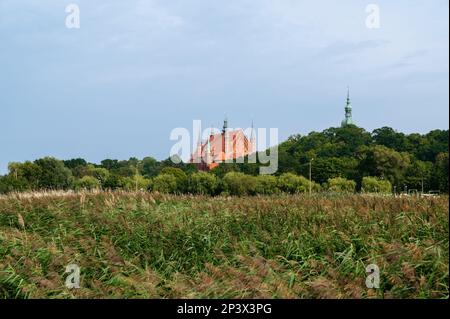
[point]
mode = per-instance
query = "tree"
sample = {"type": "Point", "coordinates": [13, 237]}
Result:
{"type": "Point", "coordinates": [74, 163]}
{"type": "Point", "coordinates": [324, 168]}
{"type": "Point", "coordinates": [266, 185]}
{"type": "Point", "coordinates": [137, 183]}
{"type": "Point", "coordinates": [25, 175]}
{"type": "Point", "coordinates": [382, 161]}
{"type": "Point", "coordinates": [292, 184]}
{"type": "Point", "coordinates": [149, 167]}
{"type": "Point", "coordinates": [341, 185]}
{"type": "Point", "coordinates": [419, 173]}
{"type": "Point", "coordinates": [441, 172]}
{"type": "Point", "coordinates": [86, 182]}
{"type": "Point", "coordinates": [114, 182]}
{"type": "Point", "coordinates": [180, 176]}
{"type": "Point", "coordinates": [390, 138]}
{"type": "Point", "coordinates": [9, 183]}
{"type": "Point", "coordinates": [376, 185]}
{"type": "Point", "coordinates": [239, 184]}
{"type": "Point", "coordinates": [54, 175]}
{"type": "Point", "coordinates": [349, 139]}
{"type": "Point", "coordinates": [99, 173]}
{"type": "Point", "coordinates": [165, 183]}
{"type": "Point", "coordinates": [203, 183]}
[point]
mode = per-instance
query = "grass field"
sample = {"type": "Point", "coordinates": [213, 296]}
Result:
{"type": "Point", "coordinates": [143, 245]}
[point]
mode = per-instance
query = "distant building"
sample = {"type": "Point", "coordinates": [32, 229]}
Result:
{"type": "Point", "coordinates": [348, 112]}
{"type": "Point", "coordinates": [225, 146]}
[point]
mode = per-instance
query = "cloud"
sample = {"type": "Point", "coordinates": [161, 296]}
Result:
{"type": "Point", "coordinates": [345, 48]}
{"type": "Point", "coordinates": [159, 62]}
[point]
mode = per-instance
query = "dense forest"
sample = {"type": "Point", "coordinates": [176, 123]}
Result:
{"type": "Point", "coordinates": [343, 159]}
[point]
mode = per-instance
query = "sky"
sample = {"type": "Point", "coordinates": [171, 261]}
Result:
{"type": "Point", "coordinates": [136, 69]}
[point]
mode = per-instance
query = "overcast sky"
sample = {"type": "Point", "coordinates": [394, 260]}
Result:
{"type": "Point", "coordinates": [136, 69]}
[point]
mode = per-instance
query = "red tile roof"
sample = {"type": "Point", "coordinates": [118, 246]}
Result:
{"type": "Point", "coordinates": [221, 147]}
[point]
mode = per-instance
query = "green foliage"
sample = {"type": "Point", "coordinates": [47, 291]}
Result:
{"type": "Point", "coordinates": [381, 161]}
{"type": "Point", "coordinates": [203, 183]}
{"type": "Point", "coordinates": [114, 182]}
{"type": "Point", "coordinates": [292, 184]}
{"type": "Point", "coordinates": [53, 174]}
{"type": "Point", "coordinates": [341, 185]}
{"type": "Point", "coordinates": [180, 176]}
{"type": "Point", "coordinates": [149, 167]}
{"type": "Point", "coordinates": [86, 182]}
{"type": "Point", "coordinates": [442, 172]}
{"type": "Point", "coordinates": [165, 183]}
{"type": "Point", "coordinates": [388, 137]}
{"type": "Point", "coordinates": [419, 174]}
{"type": "Point", "coordinates": [75, 162]}
{"type": "Point", "coordinates": [416, 161]}
{"type": "Point", "coordinates": [239, 184]}
{"type": "Point", "coordinates": [376, 185]}
{"type": "Point", "coordinates": [9, 183]}
{"type": "Point", "coordinates": [137, 183]}
{"type": "Point", "coordinates": [266, 185]}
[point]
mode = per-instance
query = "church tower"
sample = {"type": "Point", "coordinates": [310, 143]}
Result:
{"type": "Point", "coordinates": [348, 112]}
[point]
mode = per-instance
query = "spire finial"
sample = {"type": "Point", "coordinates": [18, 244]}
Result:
{"type": "Point", "coordinates": [348, 94]}
{"type": "Point", "coordinates": [225, 124]}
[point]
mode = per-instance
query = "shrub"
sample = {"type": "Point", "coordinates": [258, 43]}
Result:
{"type": "Point", "coordinates": [99, 173]}
{"type": "Point", "coordinates": [53, 174]}
{"type": "Point", "coordinates": [376, 185]}
{"type": "Point", "coordinates": [180, 177]}
{"type": "Point", "coordinates": [266, 185]}
{"type": "Point", "coordinates": [137, 182]}
{"type": "Point", "coordinates": [9, 184]}
{"type": "Point", "coordinates": [292, 184]}
{"type": "Point", "coordinates": [87, 182]}
{"type": "Point", "coordinates": [165, 183]}
{"type": "Point", "coordinates": [203, 183]}
{"type": "Point", "coordinates": [239, 184]}
{"type": "Point", "coordinates": [341, 185]}
{"type": "Point", "coordinates": [114, 182]}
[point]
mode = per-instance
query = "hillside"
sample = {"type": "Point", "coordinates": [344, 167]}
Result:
{"type": "Point", "coordinates": [407, 161]}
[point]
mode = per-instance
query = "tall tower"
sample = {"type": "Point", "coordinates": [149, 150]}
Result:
{"type": "Point", "coordinates": [348, 112]}
{"type": "Point", "coordinates": [225, 138]}
{"type": "Point", "coordinates": [225, 125]}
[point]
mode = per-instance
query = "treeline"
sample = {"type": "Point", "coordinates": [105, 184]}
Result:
{"type": "Point", "coordinates": [411, 161]}
{"type": "Point", "coordinates": [341, 159]}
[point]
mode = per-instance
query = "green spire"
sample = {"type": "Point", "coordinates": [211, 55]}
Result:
{"type": "Point", "coordinates": [225, 125]}
{"type": "Point", "coordinates": [348, 111]}
{"type": "Point", "coordinates": [348, 95]}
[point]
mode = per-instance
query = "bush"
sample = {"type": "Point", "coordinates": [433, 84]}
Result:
{"type": "Point", "coordinates": [180, 177]}
{"type": "Point", "coordinates": [10, 184]}
{"type": "Point", "coordinates": [54, 175]}
{"type": "Point", "coordinates": [165, 183]}
{"type": "Point", "coordinates": [266, 185]}
{"type": "Point", "coordinates": [293, 184]}
{"type": "Point", "coordinates": [86, 182]}
{"type": "Point", "coordinates": [138, 182]}
{"type": "Point", "coordinates": [114, 182]}
{"type": "Point", "coordinates": [203, 183]}
{"type": "Point", "coordinates": [99, 173]}
{"type": "Point", "coordinates": [239, 184]}
{"type": "Point", "coordinates": [376, 185]}
{"type": "Point", "coordinates": [341, 185]}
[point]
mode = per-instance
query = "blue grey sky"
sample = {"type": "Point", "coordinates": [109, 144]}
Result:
{"type": "Point", "coordinates": [136, 69]}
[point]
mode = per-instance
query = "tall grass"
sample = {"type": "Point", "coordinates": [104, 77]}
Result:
{"type": "Point", "coordinates": [143, 245]}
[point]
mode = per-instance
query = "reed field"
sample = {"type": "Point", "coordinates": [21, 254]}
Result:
{"type": "Point", "coordinates": [150, 245]}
